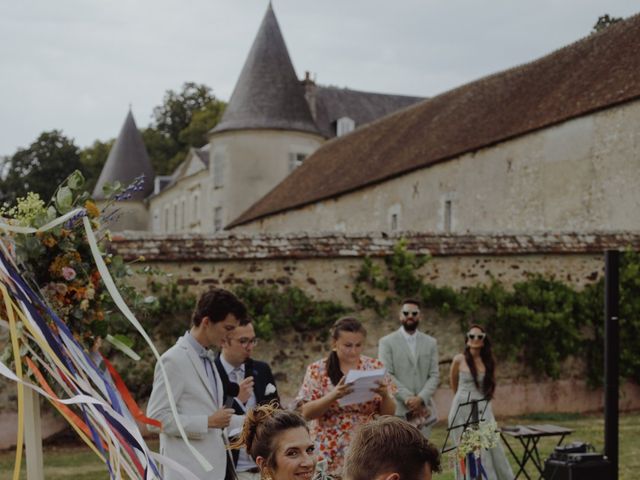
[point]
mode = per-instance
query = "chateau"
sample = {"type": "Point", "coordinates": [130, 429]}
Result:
{"type": "Point", "coordinates": [272, 123]}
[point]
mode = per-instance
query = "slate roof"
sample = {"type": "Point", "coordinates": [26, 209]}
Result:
{"type": "Point", "coordinates": [127, 160]}
{"type": "Point", "coordinates": [333, 103]}
{"type": "Point", "coordinates": [595, 73]}
{"type": "Point", "coordinates": [268, 94]}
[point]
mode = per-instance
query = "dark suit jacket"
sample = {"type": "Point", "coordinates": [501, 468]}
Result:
{"type": "Point", "coordinates": [262, 376]}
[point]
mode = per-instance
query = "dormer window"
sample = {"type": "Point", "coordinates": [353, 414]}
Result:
{"type": "Point", "coordinates": [344, 125]}
{"type": "Point", "coordinates": [295, 160]}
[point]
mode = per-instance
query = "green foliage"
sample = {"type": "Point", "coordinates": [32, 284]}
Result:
{"type": "Point", "coordinates": [92, 159]}
{"type": "Point", "coordinates": [181, 122]}
{"type": "Point", "coordinates": [276, 311]}
{"type": "Point", "coordinates": [39, 168]}
{"type": "Point", "coordinates": [538, 322]}
{"type": "Point", "coordinates": [605, 21]}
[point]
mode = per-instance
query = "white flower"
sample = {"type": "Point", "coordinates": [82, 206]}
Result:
{"type": "Point", "coordinates": [271, 388]}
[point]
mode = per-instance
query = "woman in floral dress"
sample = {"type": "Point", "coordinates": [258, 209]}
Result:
{"type": "Point", "coordinates": [324, 384]}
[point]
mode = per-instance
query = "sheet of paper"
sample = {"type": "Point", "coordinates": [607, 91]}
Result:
{"type": "Point", "coordinates": [362, 382]}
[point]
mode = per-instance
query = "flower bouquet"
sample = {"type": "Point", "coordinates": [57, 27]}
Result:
{"type": "Point", "coordinates": [472, 442]}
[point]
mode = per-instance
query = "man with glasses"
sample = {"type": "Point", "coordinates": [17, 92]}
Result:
{"type": "Point", "coordinates": [411, 358]}
{"type": "Point", "coordinates": [248, 382]}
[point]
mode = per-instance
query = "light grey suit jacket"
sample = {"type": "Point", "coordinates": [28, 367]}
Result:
{"type": "Point", "coordinates": [417, 375]}
{"type": "Point", "coordinates": [195, 401]}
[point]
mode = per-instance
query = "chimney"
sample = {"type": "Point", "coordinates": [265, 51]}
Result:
{"type": "Point", "coordinates": [310, 92]}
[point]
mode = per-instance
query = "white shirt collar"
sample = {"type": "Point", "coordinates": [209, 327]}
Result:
{"type": "Point", "coordinates": [410, 337]}
{"type": "Point", "coordinates": [228, 367]}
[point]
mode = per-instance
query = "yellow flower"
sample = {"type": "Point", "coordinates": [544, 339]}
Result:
{"type": "Point", "coordinates": [92, 209]}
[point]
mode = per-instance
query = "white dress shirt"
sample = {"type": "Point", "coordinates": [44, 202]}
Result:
{"type": "Point", "coordinates": [236, 375]}
{"type": "Point", "coordinates": [411, 340]}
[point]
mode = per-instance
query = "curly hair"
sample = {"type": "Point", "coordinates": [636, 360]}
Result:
{"type": "Point", "coordinates": [262, 426]}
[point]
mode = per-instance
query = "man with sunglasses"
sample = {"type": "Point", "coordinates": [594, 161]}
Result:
{"type": "Point", "coordinates": [248, 382]}
{"type": "Point", "coordinates": [411, 358]}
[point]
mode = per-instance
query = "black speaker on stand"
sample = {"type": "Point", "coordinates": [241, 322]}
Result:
{"type": "Point", "coordinates": [578, 463]}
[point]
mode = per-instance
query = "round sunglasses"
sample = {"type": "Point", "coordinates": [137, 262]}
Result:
{"type": "Point", "coordinates": [474, 336]}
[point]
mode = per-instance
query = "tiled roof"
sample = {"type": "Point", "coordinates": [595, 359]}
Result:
{"type": "Point", "coordinates": [595, 73]}
{"type": "Point", "coordinates": [268, 94]}
{"type": "Point", "coordinates": [333, 103]}
{"type": "Point", "coordinates": [127, 160]}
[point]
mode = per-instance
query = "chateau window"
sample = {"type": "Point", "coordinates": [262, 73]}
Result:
{"type": "Point", "coordinates": [175, 217]}
{"type": "Point", "coordinates": [218, 170]}
{"type": "Point", "coordinates": [393, 216]}
{"type": "Point", "coordinates": [183, 214]}
{"type": "Point", "coordinates": [195, 207]}
{"type": "Point", "coordinates": [295, 160]}
{"type": "Point", "coordinates": [344, 125]}
{"type": "Point", "coordinates": [394, 221]}
{"type": "Point", "coordinates": [217, 219]}
{"type": "Point", "coordinates": [447, 216]}
{"type": "Point", "coordinates": [166, 219]}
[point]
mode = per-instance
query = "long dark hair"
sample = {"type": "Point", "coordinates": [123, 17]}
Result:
{"type": "Point", "coordinates": [344, 324]}
{"type": "Point", "coordinates": [489, 381]}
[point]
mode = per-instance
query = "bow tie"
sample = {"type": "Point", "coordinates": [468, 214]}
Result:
{"type": "Point", "coordinates": [208, 354]}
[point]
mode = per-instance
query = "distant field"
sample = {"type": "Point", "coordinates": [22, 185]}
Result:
{"type": "Point", "coordinates": [79, 463]}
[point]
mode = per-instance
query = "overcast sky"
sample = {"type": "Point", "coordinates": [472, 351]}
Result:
{"type": "Point", "coordinates": [76, 65]}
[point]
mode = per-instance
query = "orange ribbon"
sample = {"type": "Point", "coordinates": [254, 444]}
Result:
{"type": "Point", "coordinates": [135, 410]}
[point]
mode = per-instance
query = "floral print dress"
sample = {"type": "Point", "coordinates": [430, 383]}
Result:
{"type": "Point", "coordinates": [332, 432]}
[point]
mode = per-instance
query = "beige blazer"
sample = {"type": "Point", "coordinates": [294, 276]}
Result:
{"type": "Point", "coordinates": [417, 375]}
{"type": "Point", "coordinates": [195, 401]}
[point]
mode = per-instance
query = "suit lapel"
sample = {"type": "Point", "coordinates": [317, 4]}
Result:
{"type": "Point", "coordinates": [198, 365]}
{"type": "Point", "coordinates": [404, 346]}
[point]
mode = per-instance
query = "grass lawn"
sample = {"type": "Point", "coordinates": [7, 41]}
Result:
{"type": "Point", "coordinates": [79, 463]}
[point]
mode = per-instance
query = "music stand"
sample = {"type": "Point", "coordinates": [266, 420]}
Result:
{"type": "Point", "coordinates": [474, 417]}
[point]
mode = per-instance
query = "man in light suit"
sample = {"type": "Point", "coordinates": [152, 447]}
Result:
{"type": "Point", "coordinates": [250, 382]}
{"type": "Point", "coordinates": [198, 390]}
{"type": "Point", "coordinates": [411, 358]}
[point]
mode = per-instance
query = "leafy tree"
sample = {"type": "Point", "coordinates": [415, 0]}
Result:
{"type": "Point", "coordinates": [605, 21]}
{"type": "Point", "coordinates": [93, 159]}
{"type": "Point", "coordinates": [181, 122]}
{"type": "Point", "coordinates": [41, 167]}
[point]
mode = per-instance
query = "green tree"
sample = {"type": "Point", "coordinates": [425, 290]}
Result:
{"type": "Point", "coordinates": [93, 159]}
{"type": "Point", "coordinates": [181, 122]}
{"type": "Point", "coordinates": [605, 21]}
{"type": "Point", "coordinates": [41, 167]}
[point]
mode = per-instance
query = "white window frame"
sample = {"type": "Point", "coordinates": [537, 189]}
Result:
{"type": "Point", "coordinates": [345, 125]}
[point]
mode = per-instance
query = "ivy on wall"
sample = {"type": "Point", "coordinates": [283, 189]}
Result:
{"type": "Point", "coordinates": [539, 322]}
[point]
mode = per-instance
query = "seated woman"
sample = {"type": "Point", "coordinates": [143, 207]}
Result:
{"type": "Point", "coordinates": [324, 384]}
{"type": "Point", "coordinates": [472, 377]}
{"type": "Point", "coordinates": [279, 443]}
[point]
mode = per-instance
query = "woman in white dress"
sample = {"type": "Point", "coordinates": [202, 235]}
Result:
{"type": "Point", "coordinates": [472, 377]}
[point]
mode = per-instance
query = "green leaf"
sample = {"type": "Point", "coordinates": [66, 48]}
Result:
{"type": "Point", "coordinates": [64, 199]}
{"type": "Point", "coordinates": [75, 180]}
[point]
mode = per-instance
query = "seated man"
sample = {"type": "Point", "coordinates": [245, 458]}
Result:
{"type": "Point", "coordinates": [388, 448]}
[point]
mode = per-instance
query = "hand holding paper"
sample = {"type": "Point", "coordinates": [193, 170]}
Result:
{"type": "Point", "coordinates": [364, 383]}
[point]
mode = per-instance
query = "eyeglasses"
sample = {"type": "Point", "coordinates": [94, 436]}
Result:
{"type": "Point", "coordinates": [245, 342]}
{"type": "Point", "coordinates": [413, 313]}
{"type": "Point", "coordinates": [479, 336]}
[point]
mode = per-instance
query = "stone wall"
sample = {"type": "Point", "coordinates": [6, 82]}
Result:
{"type": "Point", "coordinates": [580, 175]}
{"type": "Point", "coordinates": [325, 266]}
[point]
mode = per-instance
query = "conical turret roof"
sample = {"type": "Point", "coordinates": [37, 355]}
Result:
{"type": "Point", "coordinates": [268, 93]}
{"type": "Point", "coordinates": [127, 160]}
